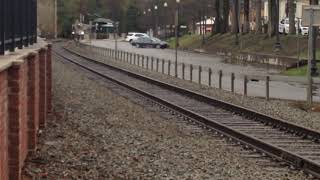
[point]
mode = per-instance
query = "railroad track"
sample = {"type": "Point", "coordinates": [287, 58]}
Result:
{"type": "Point", "coordinates": [290, 143]}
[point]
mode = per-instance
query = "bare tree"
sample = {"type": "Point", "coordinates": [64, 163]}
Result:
{"type": "Point", "coordinates": [217, 17]}
{"type": "Point", "coordinates": [225, 6]}
{"type": "Point", "coordinates": [292, 24]}
{"type": "Point", "coordinates": [235, 16]}
{"type": "Point", "coordinates": [258, 17]}
{"type": "Point", "coordinates": [272, 19]}
{"type": "Point", "coordinates": [246, 9]}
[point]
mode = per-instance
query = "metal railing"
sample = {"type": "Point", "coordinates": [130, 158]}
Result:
{"type": "Point", "coordinates": [18, 24]}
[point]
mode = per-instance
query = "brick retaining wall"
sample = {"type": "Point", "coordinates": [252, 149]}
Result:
{"type": "Point", "coordinates": [25, 85]}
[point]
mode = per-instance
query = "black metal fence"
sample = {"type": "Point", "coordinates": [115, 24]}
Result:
{"type": "Point", "coordinates": [18, 24]}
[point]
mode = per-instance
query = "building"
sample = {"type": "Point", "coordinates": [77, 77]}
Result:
{"type": "Point", "coordinates": [47, 18]}
{"type": "Point", "coordinates": [208, 23]}
{"type": "Point", "coordinates": [284, 10]}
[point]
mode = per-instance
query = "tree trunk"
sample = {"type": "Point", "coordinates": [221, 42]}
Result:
{"type": "Point", "coordinates": [217, 22]}
{"type": "Point", "coordinates": [246, 23]}
{"type": "Point", "coordinates": [225, 16]}
{"type": "Point", "coordinates": [258, 17]}
{"type": "Point", "coordinates": [235, 17]}
{"type": "Point", "coordinates": [272, 24]}
{"type": "Point", "coordinates": [292, 23]}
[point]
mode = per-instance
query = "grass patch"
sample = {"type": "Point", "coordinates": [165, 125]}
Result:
{"type": "Point", "coordinates": [187, 41]}
{"type": "Point", "coordinates": [301, 71]}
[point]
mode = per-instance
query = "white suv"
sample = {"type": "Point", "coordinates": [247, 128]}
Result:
{"type": "Point", "coordinates": [284, 26]}
{"type": "Point", "coordinates": [134, 36]}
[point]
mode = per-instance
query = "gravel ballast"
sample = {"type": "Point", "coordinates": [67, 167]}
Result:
{"type": "Point", "coordinates": [290, 111]}
{"type": "Point", "coordinates": [97, 134]}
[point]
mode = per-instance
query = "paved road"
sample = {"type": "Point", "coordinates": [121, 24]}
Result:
{"type": "Point", "coordinates": [281, 90]}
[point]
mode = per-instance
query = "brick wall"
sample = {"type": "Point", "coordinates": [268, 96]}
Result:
{"type": "Point", "coordinates": [23, 97]}
{"type": "Point", "coordinates": [3, 125]}
{"type": "Point", "coordinates": [17, 105]}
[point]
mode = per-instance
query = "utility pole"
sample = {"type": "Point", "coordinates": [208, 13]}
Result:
{"type": "Point", "coordinates": [116, 37]}
{"type": "Point", "coordinates": [314, 69]}
{"type": "Point", "coordinates": [236, 11]}
{"type": "Point", "coordinates": [177, 38]}
{"type": "Point", "coordinates": [310, 56]}
{"type": "Point", "coordinates": [277, 45]}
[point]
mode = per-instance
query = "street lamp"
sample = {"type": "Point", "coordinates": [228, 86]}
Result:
{"type": "Point", "coordinates": [116, 24]}
{"type": "Point", "coordinates": [156, 23]}
{"type": "Point", "coordinates": [177, 38]}
{"type": "Point", "coordinates": [277, 45]}
{"type": "Point", "coordinates": [165, 5]}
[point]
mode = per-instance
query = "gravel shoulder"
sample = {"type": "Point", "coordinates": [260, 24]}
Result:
{"type": "Point", "coordinates": [97, 134]}
{"type": "Point", "coordinates": [290, 111]}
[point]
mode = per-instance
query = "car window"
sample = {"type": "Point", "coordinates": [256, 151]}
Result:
{"type": "Point", "coordinates": [130, 34]}
{"type": "Point", "coordinates": [138, 35]}
{"type": "Point", "coordinates": [156, 40]}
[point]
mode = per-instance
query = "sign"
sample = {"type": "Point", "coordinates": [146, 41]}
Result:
{"type": "Point", "coordinates": [307, 13]}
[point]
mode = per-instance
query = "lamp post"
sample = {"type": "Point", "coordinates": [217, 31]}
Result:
{"type": "Point", "coordinates": [156, 22]}
{"type": "Point", "coordinates": [165, 5]}
{"type": "Point", "coordinates": [177, 37]}
{"type": "Point", "coordinates": [277, 45]}
{"type": "Point", "coordinates": [116, 37]}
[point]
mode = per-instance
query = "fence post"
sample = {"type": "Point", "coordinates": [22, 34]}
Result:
{"type": "Point", "coordinates": [157, 67]}
{"type": "Point", "coordinates": [191, 69]}
{"type": "Point", "coordinates": [151, 63]}
{"type": "Point", "coordinates": [130, 58]}
{"type": "Point", "coordinates": [199, 76]}
{"type": "Point", "coordinates": [209, 76]}
{"type": "Point", "coordinates": [127, 57]}
{"type": "Point", "coordinates": [162, 66]}
{"type": "Point", "coordinates": [232, 82]}
{"type": "Point", "coordinates": [169, 67]}
{"type": "Point", "coordinates": [183, 68]}
{"type": "Point", "coordinates": [220, 79]}
{"type": "Point", "coordinates": [142, 61]}
{"type": "Point", "coordinates": [134, 58]}
{"type": "Point", "coordinates": [267, 88]}
{"type": "Point", "coordinates": [138, 59]}
{"type": "Point", "coordinates": [245, 85]}
{"type": "Point", "coordinates": [147, 62]}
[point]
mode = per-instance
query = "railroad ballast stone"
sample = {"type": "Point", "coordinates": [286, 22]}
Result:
{"type": "Point", "coordinates": [95, 134]}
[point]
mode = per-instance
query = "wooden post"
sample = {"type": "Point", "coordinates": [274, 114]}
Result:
{"type": "Point", "coordinates": [209, 76]}
{"type": "Point", "coordinates": [267, 88]}
{"type": "Point", "coordinates": [130, 58]}
{"type": "Point", "coordinates": [220, 79]}
{"type": "Point", "coordinates": [142, 61]}
{"type": "Point", "coordinates": [232, 82]}
{"type": "Point", "coordinates": [134, 58]}
{"type": "Point", "coordinates": [151, 63]}
{"type": "Point", "coordinates": [157, 66]}
{"type": "Point", "coordinates": [162, 66]}
{"type": "Point", "coordinates": [191, 69]}
{"type": "Point", "coordinates": [169, 67]}
{"type": "Point", "coordinates": [147, 62]}
{"type": "Point", "coordinates": [199, 75]}
{"type": "Point", "coordinates": [245, 85]}
{"type": "Point", "coordinates": [183, 69]}
{"type": "Point", "coordinates": [138, 59]}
